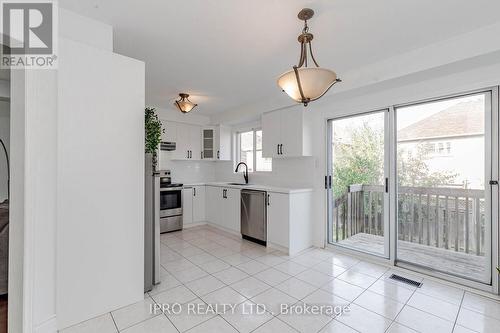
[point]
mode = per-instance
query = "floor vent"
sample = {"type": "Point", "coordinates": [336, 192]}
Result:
{"type": "Point", "coordinates": [405, 280]}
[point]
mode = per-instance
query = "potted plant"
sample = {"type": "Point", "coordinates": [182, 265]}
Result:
{"type": "Point", "coordinates": [153, 131]}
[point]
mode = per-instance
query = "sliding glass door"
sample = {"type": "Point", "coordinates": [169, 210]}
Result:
{"type": "Point", "coordinates": [443, 194]}
{"type": "Point", "coordinates": [358, 172]}
{"type": "Point", "coordinates": [413, 183]}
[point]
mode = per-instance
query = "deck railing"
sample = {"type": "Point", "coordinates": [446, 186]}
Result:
{"type": "Point", "coordinates": [447, 218]}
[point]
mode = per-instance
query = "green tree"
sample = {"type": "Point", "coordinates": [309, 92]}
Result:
{"type": "Point", "coordinates": [360, 160]}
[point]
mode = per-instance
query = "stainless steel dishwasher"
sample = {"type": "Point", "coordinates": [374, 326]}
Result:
{"type": "Point", "coordinates": [254, 216]}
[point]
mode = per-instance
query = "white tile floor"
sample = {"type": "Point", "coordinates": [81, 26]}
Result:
{"type": "Point", "coordinates": [203, 266]}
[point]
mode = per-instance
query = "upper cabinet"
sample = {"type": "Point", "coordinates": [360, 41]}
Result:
{"type": "Point", "coordinates": [187, 138]}
{"type": "Point", "coordinates": [195, 142]}
{"type": "Point", "coordinates": [285, 133]}
{"type": "Point", "coordinates": [216, 143]}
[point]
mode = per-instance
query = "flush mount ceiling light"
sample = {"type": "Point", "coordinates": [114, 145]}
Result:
{"type": "Point", "coordinates": [184, 104]}
{"type": "Point", "coordinates": [306, 84]}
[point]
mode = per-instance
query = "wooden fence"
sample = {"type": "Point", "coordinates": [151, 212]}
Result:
{"type": "Point", "coordinates": [448, 218]}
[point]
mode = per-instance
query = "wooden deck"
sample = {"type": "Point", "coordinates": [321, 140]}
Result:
{"type": "Point", "coordinates": [462, 264]}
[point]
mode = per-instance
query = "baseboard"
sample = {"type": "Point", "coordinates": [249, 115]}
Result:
{"type": "Point", "coordinates": [278, 247]}
{"type": "Point", "coordinates": [192, 225]}
{"type": "Point", "coordinates": [49, 326]}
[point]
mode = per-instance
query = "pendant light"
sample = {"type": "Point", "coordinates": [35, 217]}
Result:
{"type": "Point", "coordinates": [184, 104]}
{"type": "Point", "coordinates": [306, 84]}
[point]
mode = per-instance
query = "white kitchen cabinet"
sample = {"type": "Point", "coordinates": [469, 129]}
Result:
{"type": "Point", "coordinates": [278, 210]}
{"type": "Point", "coordinates": [271, 133]}
{"type": "Point", "coordinates": [169, 133]}
{"type": "Point", "coordinates": [213, 195]}
{"type": "Point", "coordinates": [223, 207]}
{"type": "Point", "coordinates": [231, 209]}
{"type": "Point", "coordinates": [285, 133]}
{"type": "Point", "coordinates": [199, 204]}
{"type": "Point", "coordinates": [195, 142]}
{"type": "Point", "coordinates": [193, 204]}
{"type": "Point", "coordinates": [188, 141]}
{"type": "Point", "coordinates": [187, 205]}
{"type": "Point", "coordinates": [290, 221]}
{"type": "Point", "coordinates": [216, 143]}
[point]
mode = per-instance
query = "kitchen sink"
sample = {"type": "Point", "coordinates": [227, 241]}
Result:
{"type": "Point", "coordinates": [239, 184]}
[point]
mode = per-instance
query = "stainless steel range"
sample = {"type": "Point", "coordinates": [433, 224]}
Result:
{"type": "Point", "coordinates": [169, 198]}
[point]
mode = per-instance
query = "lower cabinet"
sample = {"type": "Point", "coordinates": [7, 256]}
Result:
{"type": "Point", "coordinates": [223, 207]}
{"type": "Point", "coordinates": [187, 205]}
{"type": "Point", "coordinates": [289, 221]}
{"type": "Point", "coordinates": [193, 204]}
{"type": "Point", "coordinates": [199, 214]}
{"type": "Point", "coordinates": [278, 207]}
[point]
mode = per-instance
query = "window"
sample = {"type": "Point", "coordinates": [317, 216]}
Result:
{"type": "Point", "coordinates": [250, 151]}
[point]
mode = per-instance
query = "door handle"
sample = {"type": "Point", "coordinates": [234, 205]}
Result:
{"type": "Point", "coordinates": [278, 149]}
{"type": "Point", "coordinates": [281, 149]}
{"type": "Point", "coordinates": [387, 185]}
{"type": "Point", "coordinates": [218, 154]}
{"type": "Point", "coordinates": [268, 199]}
{"type": "Point", "coordinates": [194, 191]}
{"type": "Point", "coordinates": [188, 154]}
{"type": "Point", "coordinates": [201, 155]}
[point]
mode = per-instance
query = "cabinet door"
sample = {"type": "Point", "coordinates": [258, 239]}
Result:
{"type": "Point", "coordinates": [214, 204]}
{"type": "Point", "coordinates": [223, 152]}
{"type": "Point", "coordinates": [187, 206]}
{"type": "Point", "coordinates": [198, 203]}
{"type": "Point", "coordinates": [209, 146]}
{"type": "Point", "coordinates": [271, 133]}
{"type": "Point", "coordinates": [169, 131]}
{"type": "Point", "coordinates": [183, 141]}
{"type": "Point", "coordinates": [195, 142]}
{"type": "Point", "coordinates": [277, 219]}
{"type": "Point", "coordinates": [232, 209]}
{"type": "Point", "coordinates": [291, 132]}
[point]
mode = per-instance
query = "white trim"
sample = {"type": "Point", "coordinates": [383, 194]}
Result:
{"type": "Point", "coordinates": [237, 151]}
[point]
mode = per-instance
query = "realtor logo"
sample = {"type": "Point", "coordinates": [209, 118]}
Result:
{"type": "Point", "coordinates": [28, 34]}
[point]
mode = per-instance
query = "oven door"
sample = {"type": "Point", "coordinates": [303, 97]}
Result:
{"type": "Point", "coordinates": [170, 202]}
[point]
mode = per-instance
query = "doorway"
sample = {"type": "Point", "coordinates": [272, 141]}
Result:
{"type": "Point", "coordinates": [415, 184]}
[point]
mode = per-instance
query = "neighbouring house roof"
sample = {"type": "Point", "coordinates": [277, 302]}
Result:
{"type": "Point", "coordinates": [462, 119]}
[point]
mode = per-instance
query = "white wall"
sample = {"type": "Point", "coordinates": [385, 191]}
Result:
{"type": "Point", "coordinates": [292, 172]}
{"type": "Point", "coordinates": [85, 30]}
{"type": "Point", "coordinates": [100, 232]}
{"type": "Point", "coordinates": [5, 136]}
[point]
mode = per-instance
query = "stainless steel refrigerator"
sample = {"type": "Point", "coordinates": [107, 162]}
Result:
{"type": "Point", "coordinates": [151, 225]}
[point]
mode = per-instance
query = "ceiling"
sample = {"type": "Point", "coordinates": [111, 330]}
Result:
{"type": "Point", "coordinates": [228, 53]}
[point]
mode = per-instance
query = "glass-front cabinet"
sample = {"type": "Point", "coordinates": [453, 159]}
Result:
{"type": "Point", "coordinates": [216, 143]}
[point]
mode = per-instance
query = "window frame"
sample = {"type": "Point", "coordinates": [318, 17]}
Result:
{"type": "Point", "coordinates": [254, 130]}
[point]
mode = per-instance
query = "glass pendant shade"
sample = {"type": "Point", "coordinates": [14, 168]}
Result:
{"type": "Point", "coordinates": [306, 84]}
{"type": "Point", "coordinates": [314, 81]}
{"type": "Point", "coordinates": [184, 104]}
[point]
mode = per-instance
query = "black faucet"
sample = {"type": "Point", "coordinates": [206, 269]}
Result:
{"type": "Point", "coordinates": [246, 171]}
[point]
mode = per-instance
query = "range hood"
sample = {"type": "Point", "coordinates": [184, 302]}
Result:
{"type": "Point", "coordinates": [167, 146]}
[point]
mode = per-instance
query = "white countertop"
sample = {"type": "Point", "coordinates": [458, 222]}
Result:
{"type": "Point", "coordinates": [250, 186]}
